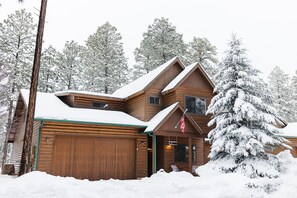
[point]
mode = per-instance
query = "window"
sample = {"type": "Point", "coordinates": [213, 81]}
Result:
{"type": "Point", "coordinates": [154, 100]}
{"type": "Point", "coordinates": [181, 153]}
{"type": "Point", "coordinates": [100, 105]}
{"type": "Point", "coordinates": [196, 105]}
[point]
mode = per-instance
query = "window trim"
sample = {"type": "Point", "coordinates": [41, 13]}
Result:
{"type": "Point", "coordinates": [185, 100]}
{"type": "Point", "coordinates": [149, 100]}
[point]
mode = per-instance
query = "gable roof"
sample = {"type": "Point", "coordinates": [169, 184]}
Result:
{"type": "Point", "coordinates": [50, 107]}
{"type": "Point", "coordinates": [184, 75]}
{"type": "Point", "coordinates": [144, 81]}
{"type": "Point", "coordinates": [156, 122]}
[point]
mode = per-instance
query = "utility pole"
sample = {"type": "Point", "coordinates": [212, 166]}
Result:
{"type": "Point", "coordinates": [26, 154]}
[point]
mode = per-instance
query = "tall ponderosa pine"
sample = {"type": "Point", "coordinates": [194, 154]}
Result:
{"type": "Point", "coordinates": [106, 65]}
{"type": "Point", "coordinates": [48, 78]}
{"type": "Point", "coordinates": [244, 124]}
{"type": "Point", "coordinates": [160, 43]}
{"type": "Point", "coordinates": [279, 88]}
{"type": "Point", "coordinates": [200, 50]}
{"type": "Point", "coordinates": [69, 70]}
{"type": "Point", "coordinates": [294, 95]}
{"type": "Point", "coordinates": [17, 38]}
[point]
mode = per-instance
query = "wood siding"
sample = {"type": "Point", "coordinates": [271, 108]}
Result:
{"type": "Point", "coordinates": [87, 102]}
{"type": "Point", "coordinates": [293, 144]}
{"type": "Point", "coordinates": [136, 106]}
{"type": "Point", "coordinates": [52, 130]}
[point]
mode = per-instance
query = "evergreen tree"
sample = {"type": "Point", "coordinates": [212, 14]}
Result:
{"type": "Point", "coordinates": [200, 50]}
{"type": "Point", "coordinates": [294, 96]}
{"type": "Point", "coordinates": [48, 79]}
{"type": "Point", "coordinates": [17, 39]}
{"type": "Point", "coordinates": [160, 43]}
{"type": "Point", "coordinates": [106, 67]}
{"type": "Point", "coordinates": [244, 124]}
{"type": "Point", "coordinates": [70, 66]}
{"type": "Point", "coordinates": [279, 87]}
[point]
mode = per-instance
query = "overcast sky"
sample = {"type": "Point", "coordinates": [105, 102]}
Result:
{"type": "Point", "coordinates": [267, 27]}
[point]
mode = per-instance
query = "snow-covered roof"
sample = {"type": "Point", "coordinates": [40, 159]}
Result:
{"type": "Point", "coordinates": [290, 130]}
{"type": "Point", "coordinates": [50, 107]}
{"type": "Point", "coordinates": [142, 82]}
{"type": "Point", "coordinates": [179, 78]}
{"type": "Point", "coordinates": [157, 119]}
{"type": "Point", "coordinates": [68, 92]}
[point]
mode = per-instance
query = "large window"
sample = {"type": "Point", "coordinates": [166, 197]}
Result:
{"type": "Point", "coordinates": [196, 105]}
{"type": "Point", "coordinates": [154, 100]}
{"type": "Point", "coordinates": [181, 153]}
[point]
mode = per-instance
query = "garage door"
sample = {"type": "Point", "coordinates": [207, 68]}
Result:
{"type": "Point", "coordinates": [94, 158]}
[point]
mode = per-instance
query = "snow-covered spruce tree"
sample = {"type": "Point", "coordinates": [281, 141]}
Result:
{"type": "Point", "coordinates": [279, 87]}
{"type": "Point", "coordinates": [106, 68]}
{"type": "Point", "coordinates": [160, 43]}
{"type": "Point", "coordinates": [200, 50]}
{"type": "Point", "coordinates": [48, 79]}
{"type": "Point", "coordinates": [70, 66]}
{"type": "Point", "coordinates": [244, 124]}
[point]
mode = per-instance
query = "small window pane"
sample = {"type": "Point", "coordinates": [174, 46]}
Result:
{"type": "Point", "coordinates": [99, 105]}
{"type": "Point", "coordinates": [200, 106]}
{"type": "Point", "coordinates": [154, 100]}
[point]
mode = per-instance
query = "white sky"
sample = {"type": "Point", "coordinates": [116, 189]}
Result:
{"type": "Point", "coordinates": [267, 27]}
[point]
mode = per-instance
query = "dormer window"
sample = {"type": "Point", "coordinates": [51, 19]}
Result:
{"type": "Point", "coordinates": [154, 100]}
{"type": "Point", "coordinates": [100, 105]}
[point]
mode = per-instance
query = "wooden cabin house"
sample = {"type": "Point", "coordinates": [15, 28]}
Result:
{"type": "Point", "coordinates": [290, 133]}
{"type": "Point", "coordinates": [129, 134]}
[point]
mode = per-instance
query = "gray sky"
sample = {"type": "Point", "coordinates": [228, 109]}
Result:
{"type": "Point", "coordinates": [267, 27]}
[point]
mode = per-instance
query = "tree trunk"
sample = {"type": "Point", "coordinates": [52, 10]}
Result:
{"type": "Point", "coordinates": [26, 154]}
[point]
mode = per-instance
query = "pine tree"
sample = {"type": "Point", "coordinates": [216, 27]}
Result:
{"type": "Point", "coordinates": [70, 66]}
{"type": "Point", "coordinates": [200, 50]}
{"type": "Point", "coordinates": [294, 96]}
{"type": "Point", "coordinates": [48, 78]}
{"type": "Point", "coordinates": [160, 43]}
{"type": "Point", "coordinates": [17, 39]}
{"type": "Point", "coordinates": [244, 124]}
{"type": "Point", "coordinates": [279, 87]}
{"type": "Point", "coordinates": [106, 66]}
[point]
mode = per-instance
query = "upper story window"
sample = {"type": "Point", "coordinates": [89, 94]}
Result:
{"type": "Point", "coordinates": [196, 105]}
{"type": "Point", "coordinates": [154, 100]}
{"type": "Point", "coordinates": [100, 105]}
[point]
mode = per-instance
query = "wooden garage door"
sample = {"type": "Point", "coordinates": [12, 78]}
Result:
{"type": "Point", "coordinates": [94, 158]}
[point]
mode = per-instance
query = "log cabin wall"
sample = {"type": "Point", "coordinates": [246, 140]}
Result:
{"type": "Point", "coordinates": [196, 85]}
{"type": "Point", "coordinates": [52, 130]}
{"type": "Point", "coordinates": [293, 144]}
{"type": "Point", "coordinates": [136, 106]}
{"type": "Point", "coordinates": [85, 101]}
{"type": "Point", "coordinates": [155, 90]}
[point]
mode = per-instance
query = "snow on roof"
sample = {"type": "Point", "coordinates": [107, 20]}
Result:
{"type": "Point", "coordinates": [141, 83]}
{"type": "Point", "coordinates": [49, 106]}
{"type": "Point", "coordinates": [157, 119]}
{"type": "Point", "coordinates": [179, 78]}
{"type": "Point", "coordinates": [65, 93]}
{"type": "Point", "coordinates": [290, 130]}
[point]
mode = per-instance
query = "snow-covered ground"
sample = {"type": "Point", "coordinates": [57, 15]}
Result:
{"type": "Point", "coordinates": [174, 184]}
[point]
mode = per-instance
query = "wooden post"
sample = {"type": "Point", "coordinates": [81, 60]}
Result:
{"type": "Point", "coordinates": [190, 155]}
{"type": "Point", "coordinates": [26, 154]}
